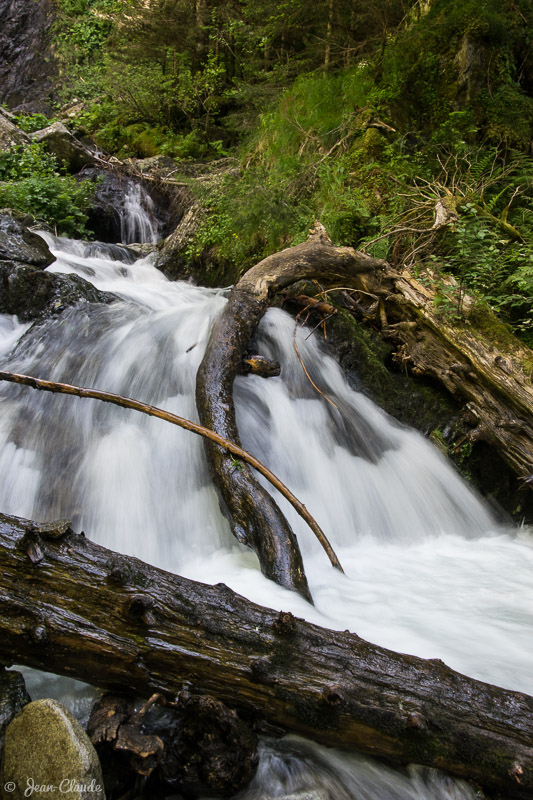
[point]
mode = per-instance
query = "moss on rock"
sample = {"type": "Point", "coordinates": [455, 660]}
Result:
{"type": "Point", "coordinates": [47, 749]}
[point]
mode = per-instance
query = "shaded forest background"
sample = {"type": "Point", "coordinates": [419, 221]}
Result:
{"type": "Point", "coordinates": [366, 115]}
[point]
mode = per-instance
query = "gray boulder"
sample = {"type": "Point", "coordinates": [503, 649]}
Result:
{"type": "Point", "coordinates": [26, 289]}
{"type": "Point", "coordinates": [46, 747]}
{"type": "Point", "coordinates": [33, 294]}
{"type": "Point", "coordinates": [10, 135]}
{"type": "Point", "coordinates": [68, 150]}
{"type": "Point", "coordinates": [27, 63]}
{"type": "Point", "coordinates": [19, 244]}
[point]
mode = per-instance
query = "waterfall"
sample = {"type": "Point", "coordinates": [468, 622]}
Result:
{"type": "Point", "coordinates": [428, 571]}
{"type": "Point", "coordinates": [137, 217]}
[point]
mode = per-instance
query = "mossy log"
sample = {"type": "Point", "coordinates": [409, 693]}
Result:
{"type": "Point", "coordinates": [440, 333]}
{"type": "Point", "coordinates": [83, 611]}
{"type": "Point", "coordinates": [255, 517]}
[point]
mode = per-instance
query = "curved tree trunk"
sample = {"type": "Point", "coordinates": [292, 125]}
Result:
{"type": "Point", "coordinates": [70, 606]}
{"type": "Point", "coordinates": [255, 518]}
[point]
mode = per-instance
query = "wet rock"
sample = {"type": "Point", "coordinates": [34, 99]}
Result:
{"type": "Point", "coordinates": [175, 259]}
{"type": "Point", "coordinates": [32, 293]}
{"type": "Point", "coordinates": [19, 244]}
{"type": "Point", "coordinates": [172, 257]}
{"type": "Point", "coordinates": [26, 289]}
{"type": "Point", "coordinates": [46, 746]}
{"type": "Point", "coordinates": [113, 252]}
{"type": "Point", "coordinates": [26, 60]}
{"type": "Point", "coordinates": [104, 218]}
{"type": "Point", "coordinates": [110, 216]}
{"type": "Point", "coordinates": [10, 135]}
{"type": "Point", "coordinates": [13, 698]}
{"type": "Point", "coordinates": [472, 61]}
{"type": "Point", "coordinates": [68, 150]}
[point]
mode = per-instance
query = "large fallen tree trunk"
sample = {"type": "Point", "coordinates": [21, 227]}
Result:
{"type": "Point", "coordinates": [256, 519]}
{"type": "Point", "coordinates": [72, 607]}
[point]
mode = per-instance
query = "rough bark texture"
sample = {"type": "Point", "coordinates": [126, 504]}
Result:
{"type": "Point", "coordinates": [81, 606]}
{"type": "Point", "coordinates": [478, 361]}
{"type": "Point", "coordinates": [197, 744]}
{"type": "Point", "coordinates": [255, 518]}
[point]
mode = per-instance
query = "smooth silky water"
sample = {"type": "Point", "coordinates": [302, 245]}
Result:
{"type": "Point", "coordinates": [428, 571]}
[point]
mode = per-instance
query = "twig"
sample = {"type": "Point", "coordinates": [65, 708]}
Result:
{"type": "Point", "coordinates": [394, 232]}
{"type": "Point", "coordinates": [348, 289]}
{"type": "Point", "coordinates": [322, 324]}
{"type": "Point", "coordinates": [153, 411]}
{"type": "Point", "coordinates": [307, 375]}
{"type": "Point", "coordinates": [330, 151]}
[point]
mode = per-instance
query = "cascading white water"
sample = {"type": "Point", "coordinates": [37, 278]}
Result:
{"type": "Point", "coordinates": [427, 570]}
{"type": "Point", "coordinates": [137, 217]}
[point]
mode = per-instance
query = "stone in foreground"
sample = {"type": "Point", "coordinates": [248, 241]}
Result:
{"type": "Point", "coordinates": [48, 753]}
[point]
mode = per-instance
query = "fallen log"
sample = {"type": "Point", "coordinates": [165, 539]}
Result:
{"type": "Point", "coordinates": [255, 517]}
{"type": "Point", "coordinates": [466, 349]}
{"type": "Point", "coordinates": [89, 613]}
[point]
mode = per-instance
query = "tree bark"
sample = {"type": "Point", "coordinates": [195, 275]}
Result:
{"type": "Point", "coordinates": [80, 606]}
{"type": "Point", "coordinates": [438, 333]}
{"type": "Point", "coordinates": [255, 518]}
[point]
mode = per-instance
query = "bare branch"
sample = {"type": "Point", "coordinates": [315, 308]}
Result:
{"type": "Point", "coordinates": [153, 411]}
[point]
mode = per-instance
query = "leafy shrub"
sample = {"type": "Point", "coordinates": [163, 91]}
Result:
{"type": "Point", "coordinates": [30, 181]}
{"type": "Point", "coordinates": [32, 122]}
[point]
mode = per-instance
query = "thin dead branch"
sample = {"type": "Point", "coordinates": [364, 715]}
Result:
{"type": "Point", "coordinates": [167, 416]}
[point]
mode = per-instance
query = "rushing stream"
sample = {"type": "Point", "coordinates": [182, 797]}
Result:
{"type": "Point", "coordinates": [427, 570]}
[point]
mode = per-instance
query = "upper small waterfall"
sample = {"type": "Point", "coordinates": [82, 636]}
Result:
{"type": "Point", "coordinates": [138, 223]}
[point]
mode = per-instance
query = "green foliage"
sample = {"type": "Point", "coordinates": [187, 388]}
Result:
{"type": "Point", "coordinates": [81, 33]}
{"type": "Point", "coordinates": [148, 91]}
{"type": "Point", "coordinates": [30, 182]}
{"type": "Point", "coordinates": [290, 178]}
{"type": "Point", "coordinates": [310, 116]}
{"type": "Point", "coordinates": [82, 29]}
{"type": "Point", "coordinates": [370, 114]}
{"type": "Point", "coordinates": [113, 131]}
{"type": "Point", "coordinates": [160, 64]}
{"type": "Point", "coordinates": [512, 130]}
{"type": "Point", "coordinates": [56, 201]}
{"type": "Point", "coordinates": [24, 162]}
{"type": "Point", "coordinates": [32, 122]}
{"type": "Point", "coordinates": [469, 54]}
{"type": "Point", "coordinates": [246, 219]}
